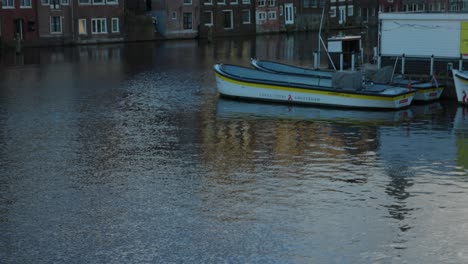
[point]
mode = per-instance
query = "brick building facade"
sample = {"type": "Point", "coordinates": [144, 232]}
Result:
{"type": "Point", "coordinates": [18, 19]}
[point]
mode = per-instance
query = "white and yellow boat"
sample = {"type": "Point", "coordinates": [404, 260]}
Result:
{"type": "Point", "coordinates": [344, 89]}
{"type": "Point", "coordinates": [460, 79]}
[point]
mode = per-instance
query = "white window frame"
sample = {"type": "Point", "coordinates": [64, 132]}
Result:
{"type": "Point", "coordinates": [272, 15]}
{"type": "Point", "coordinates": [187, 2]}
{"type": "Point", "coordinates": [208, 2]}
{"type": "Point", "coordinates": [350, 11]}
{"type": "Point", "coordinates": [261, 16]}
{"type": "Point", "coordinates": [22, 5]}
{"type": "Point", "coordinates": [234, 2]}
{"type": "Point", "coordinates": [99, 2]}
{"type": "Point", "coordinates": [332, 11]}
{"type": "Point", "coordinates": [94, 21]}
{"type": "Point", "coordinates": [112, 2]}
{"type": "Point", "coordinates": [246, 1]}
{"type": "Point", "coordinates": [65, 2]}
{"type": "Point", "coordinates": [9, 5]}
{"type": "Point", "coordinates": [113, 20]}
{"type": "Point", "coordinates": [261, 3]}
{"type": "Point", "coordinates": [174, 15]}
{"type": "Point", "coordinates": [250, 16]}
{"type": "Point", "coordinates": [221, 2]}
{"type": "Point", "coordinates": [271, 3]}
{"type": "Point", "coordinates": [60, 23]}
{"type": "Point", "coordinates": [84, 2]}
{"type": "Point", "coordinates": [85, 26]}
{"type": "Point", "coordinates": [211, 15]}
{"type": "Point", "coordinates": [232, 19]}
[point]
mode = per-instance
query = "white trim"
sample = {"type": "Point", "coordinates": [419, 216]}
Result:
{"type": "Point", "coordinates": [60, 23]}
{"type": "Point", "coordinates": [85, 26]}
{"type": "Point", "coordinates": [112, 25]}
{"type": "Point", "coordinates": [103, 26]}
{"type": "Point", "coordinates": [211, 15]}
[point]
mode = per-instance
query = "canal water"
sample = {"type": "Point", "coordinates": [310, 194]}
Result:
{"type": "Point", "coordinates": [126, 154]}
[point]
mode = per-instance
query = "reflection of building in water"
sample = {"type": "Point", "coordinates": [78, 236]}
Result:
{"type": "Point", "coordinates": [243, 139]}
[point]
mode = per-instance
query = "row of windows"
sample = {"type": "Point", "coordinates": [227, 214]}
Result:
{"type": "Point", "coordinates": [228, 19]}
{"type": "Point", "coordinates": [28, 3]}
{"type": "Point", "coordinates": [98, 25]}
{"type": "Point", "coordinates": [11, 3]}
{"type": "Point", "coordinates": [223, 2]}
{"type": "Point", "coordinates": [262, 16]}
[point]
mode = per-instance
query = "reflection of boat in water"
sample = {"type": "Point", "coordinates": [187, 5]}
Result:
{"type": "Point", "coordinates": [239, 109]}
{"type": "Point", "coordinates": [427, 109]}
{"type": "Point", "coordinates": [460, 126]}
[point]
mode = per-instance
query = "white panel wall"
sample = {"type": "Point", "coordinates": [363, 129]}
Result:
{"type": "Point", "coordinates": [420, 37]}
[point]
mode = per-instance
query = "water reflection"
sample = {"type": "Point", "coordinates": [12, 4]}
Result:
{"type": "Point", "coordinates": [123, 153]}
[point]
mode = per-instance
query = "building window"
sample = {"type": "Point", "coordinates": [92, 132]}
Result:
{"type": "Point", "coordinates": [208, 2]}
{"type": "Point", "coordinates": [187, 2]}
{"type": "Point", "coordinates": [84, 2]}
{"type": "Point", "coordinates": [8, 3]}
{"type": "Point", "coordinates": [208, 18]}
{"type": "Point", "coordinates": [234, 2]}
{"type": "Point", "coordinates": [25, 3]}
{"type": "Point", "coordinates": [82, 27]}
{"type": "Point", "coordinates": [333, 11]}
{"type": "Point", "coordinates": [45, 2]}
{"type": "Point", "coordinates": [221, 2]}
{"type": "Point", "coordinates": [246, 1]}
{"type": "Point", "coordinates": [245, 16]}
{"type": "Point", "coordinates": [174, 15]}
{"type": "Point", "coordinates": [350, 10]}
{"type": "Point", "coordinates": [65, 2]}
{"type": "Point", "coordinates": [272, 2]}
{"type": "Point", "coordinates": [112, 2]}
{"type": "Point", "coordinates": [115, 25]}
{"type": "Point", "coordinates": [272, 15]}
{"type": "Point", "coordinates": [261, 17]}
{"type": "Point", "coordinates": [187, 21]}
{"type": "Point", "coordinates": [56, 24]}
{"type": "Point", "coordinates": [98, 2]}
{"type": "Point", "coordinates": [311, 3]}
{"type": "Point", "coordinates": [261, 2]}
{"type": "Point", "coordinates": [228, 22]}
{"type": "Point", "coordinates": [98, 26]}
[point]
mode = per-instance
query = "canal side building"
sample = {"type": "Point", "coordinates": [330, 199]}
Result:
{"type": "Point", "coordinates": [227, 18]}
{"type": "Point", "coordinates": [171, 19]}
{"type": "Point", "coordinates": [267, 18]}
{"type": "Point", "coordinates": [55, 23]}
{"type": "Point", "coordinates": [18, 19]}
{"type": "Point", "coordinates": [98, 21]}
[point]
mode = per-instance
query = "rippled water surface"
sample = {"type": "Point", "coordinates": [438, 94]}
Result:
{"type": "Point", "coordinates": [125, 154]}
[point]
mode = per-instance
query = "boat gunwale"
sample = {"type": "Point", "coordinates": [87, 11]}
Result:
{"type": "Point", "coordinates": [400, 85]}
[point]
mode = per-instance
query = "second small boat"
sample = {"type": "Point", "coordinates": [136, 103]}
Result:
{"type": "Point", "coordinates": [425, 91]}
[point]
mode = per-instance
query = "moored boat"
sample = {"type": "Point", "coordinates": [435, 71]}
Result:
{"type": "Point", "coordinates": [425, 91]}
{"type": "Point", "coordinates": [344, 89]}
{"type": "Point", "coordinates": [460, 79]}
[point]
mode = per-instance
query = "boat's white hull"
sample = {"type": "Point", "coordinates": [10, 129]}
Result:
{"type": "Point", "coordinates": [427, 95]}
{"type": "Point", "coordinates": [460, 79]}
{"type": "Point", "coordinates": [235, 88]}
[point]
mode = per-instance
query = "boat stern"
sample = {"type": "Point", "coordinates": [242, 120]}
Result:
{"type": "Point", "coordinates": [460, 79]}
